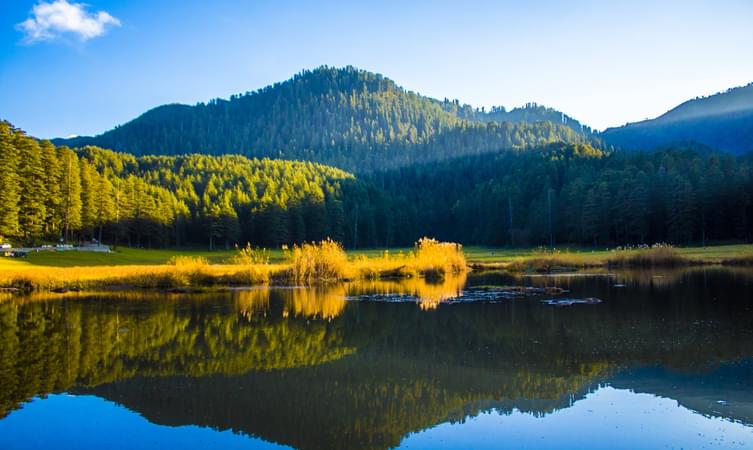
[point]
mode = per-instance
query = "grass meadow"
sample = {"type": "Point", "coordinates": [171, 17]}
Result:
{"type": "Point", "coordinates": [325, 262]}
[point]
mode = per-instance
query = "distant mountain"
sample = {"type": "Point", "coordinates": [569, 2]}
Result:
{"type": "Point", "coordinates": [533, 112]}
{"type": "Point", "coordinates": [346, 117]}
{"type": "Point", "coordinates": [723, 121]}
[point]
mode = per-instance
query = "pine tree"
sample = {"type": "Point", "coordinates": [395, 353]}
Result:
{"type": "Point", "coordinates": [53, 177]}
{"type": "Point", "coordinates": [229, 221]}
{"type": "Point", "coordinates": [89, 187]}
{"type": "Point", "coordinates": [70, 189]}
{"type": "Point", "coordinates": [9, 184]}
{"type": "Point", "coordinates": [32, 211]}
{"type": "Point", "coordinates": [590, 217]}
{"type": "Point", "coordinates": [637, 210]}
{"type": "Point", "coordinates": [105, 205]}
{"type": "Point", "coordinates": [682, 215]}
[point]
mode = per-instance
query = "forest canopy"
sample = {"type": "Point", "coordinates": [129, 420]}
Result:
{"type": "Point", "coordinates": [545, 195]}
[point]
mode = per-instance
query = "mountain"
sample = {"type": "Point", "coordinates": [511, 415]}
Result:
{"type": "Point", "coordinates": [533, 112]}
{"type": "Point", "coordinates": [723, 121]}
{"type": "Point", "coordinates": [346, 117]}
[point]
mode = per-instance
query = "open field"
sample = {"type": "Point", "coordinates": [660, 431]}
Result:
{"type": "Point", "coordinates": [716, 253]}
{"type": "Point", "coordinates": [482, 255]}
{"type": "Point", "coordinates": [325, 261]}
{"type": "Point", "coordinates": [120, 257]}
{"type": "Point", "coordinates": [474, 254]}
{"type": "Point", "coordinates": [311, 263]}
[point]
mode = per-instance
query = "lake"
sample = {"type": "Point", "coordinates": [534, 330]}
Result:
{"type": "Point", "coordinates": [653, 359]}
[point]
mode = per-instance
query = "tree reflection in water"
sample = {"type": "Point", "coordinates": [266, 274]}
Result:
{"type": "Point", "coordinates": [308, 368]}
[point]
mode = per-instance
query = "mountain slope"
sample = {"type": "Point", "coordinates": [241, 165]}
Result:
{"type": "Point", "coordinates": [351, 118]}
{"type": "Point", "coordinates": [532, 112]}
{"type": "Point", "coordinates": [723, 121]}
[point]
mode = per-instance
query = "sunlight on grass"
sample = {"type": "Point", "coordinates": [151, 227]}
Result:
{"type": "Point", "coordinates": [326, 262]}
{"type": "Point", "coordinates": [309, 263]}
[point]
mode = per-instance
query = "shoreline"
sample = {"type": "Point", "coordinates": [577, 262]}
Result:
{"type": "Point", "coordinates": [176, 279]}
{"type": "Point", "coordinates": [554, 265]}
{"type": "Point", "coordinates": [326, 263]}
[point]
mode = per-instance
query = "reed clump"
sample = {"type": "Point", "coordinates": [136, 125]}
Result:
{"type": "Point", "coordinates": [435, 259]}
{"type": "Point", "coordinates": [324, 261]}
{"type": "Point", "coordinates": [657, 255]}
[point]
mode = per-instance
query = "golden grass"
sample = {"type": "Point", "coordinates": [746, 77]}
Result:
{"type": "Point", "coordinates": [310, 263]}
{"type": "Point", "coordinates": [30, 278]}
{"type": "Point", "coordinates": [187, 261]}
{"type": "Point", "coordinates": [658, 255]}
{"type": "Point", "coordinates": [542, 260]}
{"type": "Point", "coordinates": [430, 259]}
{"type": "Point", "coordinates": [323, 261]}
{"type": "Point", "coordinates": [436, 259]}
{"type": "Point", "coordinates": [327, 261]}
{"type": "Point", "coordinates": [249, 256]}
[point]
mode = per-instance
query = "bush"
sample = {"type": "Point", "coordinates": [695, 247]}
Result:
{"type": "Point", "coordinates": [434, 259]}
{"type": "Point", "coordinates": [324, 261]}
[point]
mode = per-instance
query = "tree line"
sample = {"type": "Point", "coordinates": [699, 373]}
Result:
{"type": "Point", "coordinates": [555, 194]}
{"type": "Point", "coordinates": [576, 194]}
{"type": "Point", "coordinates": [53, 193]}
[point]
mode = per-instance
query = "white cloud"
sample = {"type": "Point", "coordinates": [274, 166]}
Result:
{"type": "Point", "coordinates": [52, 20]}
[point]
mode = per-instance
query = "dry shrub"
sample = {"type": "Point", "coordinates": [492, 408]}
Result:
{"type": "Point", "coordinates": [434, 259]}
{"type": "Point", "coordinates": [644, 256]}
{"type": "Point", "coordinates": [323, 261]}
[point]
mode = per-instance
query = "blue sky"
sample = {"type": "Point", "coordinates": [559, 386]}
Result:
{"type": "Point", "coordinates": [604, 63]}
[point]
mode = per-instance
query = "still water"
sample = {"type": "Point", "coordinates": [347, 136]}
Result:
{"type": "Point", "coordinates": [665, 360]}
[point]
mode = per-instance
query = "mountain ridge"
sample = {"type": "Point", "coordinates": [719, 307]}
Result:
{"type": "Point", "coordinates": [723, 121]}
{"type": "Point", "coordinates": [347, 117]}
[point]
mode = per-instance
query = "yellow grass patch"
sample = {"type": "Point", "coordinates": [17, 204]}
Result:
{"type": "Point", "coordinates": [321, 262]}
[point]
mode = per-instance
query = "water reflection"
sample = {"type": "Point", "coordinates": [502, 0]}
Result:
{"type": "Point", "coordinates": [614, 418]}
{"type": "Point", "coordinates": [306, 368]}
{"type": "Point", "coordinates": [428, 294]}
{"type": "Point", "coordinates": [324, 302]}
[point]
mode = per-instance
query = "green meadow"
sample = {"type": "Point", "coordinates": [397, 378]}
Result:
{"type": "Point", "coordinates": [474, 255]}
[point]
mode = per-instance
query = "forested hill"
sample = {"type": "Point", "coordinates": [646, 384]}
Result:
{"type": "Point", "coordinates": [723, 121]}
{"type": "Point", "coordinates": [349, 118]}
